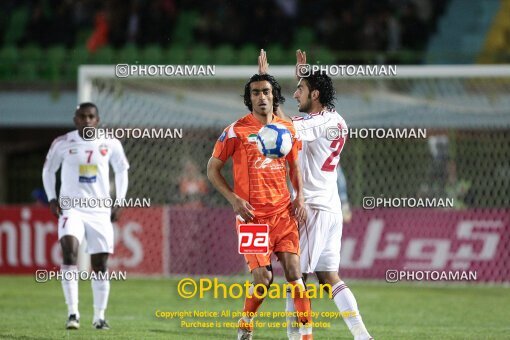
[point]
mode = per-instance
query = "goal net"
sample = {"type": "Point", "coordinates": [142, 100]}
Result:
{"type": "Point", "coordinates": [464, 155]}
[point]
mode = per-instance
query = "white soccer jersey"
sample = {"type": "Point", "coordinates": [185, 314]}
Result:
{"type": "Point", "coordinates": [323, 140]}
{"type": "Point", "coordinates": [85, 166]}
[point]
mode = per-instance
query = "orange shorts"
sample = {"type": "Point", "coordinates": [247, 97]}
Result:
{"type": "Point", "coordinates": [283, 237]}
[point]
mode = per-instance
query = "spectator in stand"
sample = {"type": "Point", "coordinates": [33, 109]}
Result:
{"type": "Point", "coordinates": [62, 26]}
{"type": "Point", "coordinates": [133, 27]}
{"type": "Point", "coordinates": [157, 20]}
{"type": "Point", "coordinates": [117, 16]}
{"type": "Point", "coordinates": [37, 28]}
{"type": "Point", "coordinates": [414, 30]}
{"type": "Point", "coordinates": [192, 185]}
{"type": "Point", "coordinates": [362, 25]}
{"type": "Point", "coordinates": [99, 36]}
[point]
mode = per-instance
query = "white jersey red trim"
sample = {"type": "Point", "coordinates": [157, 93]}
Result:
{"type": "Point", "coordinates": [320, 156]}
{"type": "Point", "coordinates": [85, 166]}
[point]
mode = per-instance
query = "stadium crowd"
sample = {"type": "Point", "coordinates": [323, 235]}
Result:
{"type": "Point", "coordinates": [347, 25]}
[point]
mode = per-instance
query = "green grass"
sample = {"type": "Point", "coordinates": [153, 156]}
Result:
{"type": "Point", "coordinates": [30, 310]}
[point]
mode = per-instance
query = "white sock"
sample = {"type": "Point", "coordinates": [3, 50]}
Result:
{"type": "Point", "coordinates": [100, 291]}
{"type": "Point", "coordinates": [346, 303]}
{"type": "Point", "coordinates": [292, 322]}
{"type": "Point", "coordinates": [70, 288]}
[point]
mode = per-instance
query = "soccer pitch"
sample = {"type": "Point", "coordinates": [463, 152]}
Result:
{"type": "Point", "coordinates": [31, 310]}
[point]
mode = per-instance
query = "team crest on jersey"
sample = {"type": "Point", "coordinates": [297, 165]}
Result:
{"type": "Point", "coordinates": [252, 138]}
{"type": "Point", "coordinates": [267, 163]}
{"type": "Point", "coordinates": [73, 151]}
{"type": "Point", "coordinates": [222, 136]}
{"type": "Point", "coordinates": [103, 149]}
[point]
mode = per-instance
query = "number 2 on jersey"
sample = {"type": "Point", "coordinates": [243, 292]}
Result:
{"type": "Point", "coordinates": [337, 145]}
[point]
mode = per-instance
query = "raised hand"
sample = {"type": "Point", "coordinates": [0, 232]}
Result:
{"type": "Point", "coordinates": [300, 59]}
{"type": "Point", "coordinates": [263, 65]}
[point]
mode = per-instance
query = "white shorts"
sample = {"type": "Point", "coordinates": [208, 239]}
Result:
{"type": "Point", "coordinates": [96, 227]}
{"type": "Point", "coordinates": [320, 241]}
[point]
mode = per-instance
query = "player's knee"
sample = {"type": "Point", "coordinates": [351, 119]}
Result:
{"type": "Point", "coordinates": [330, 279]}
{"type": "Point", "coordinates": [99, 262]}
{"type": "Point", "coordinates": [101, 267]}
{"type": "Point", "coordinates": [263, 279]}
{"type": "Point", "coordinates": [262, 288]}
{"type": "Point", "coordinates": [292, 274]}
{"type": "Point", "coordinates": [70, 259]}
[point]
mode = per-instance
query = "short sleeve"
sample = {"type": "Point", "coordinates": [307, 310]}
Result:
{"type": "Point", "coordinates": [310, 127]}
{"type": "Point", "coordinates": [293, 154]}
{"type": "Point", "coordinates": [225, 146]}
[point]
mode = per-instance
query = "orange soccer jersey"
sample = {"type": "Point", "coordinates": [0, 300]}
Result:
{"type": "Point", "coordinates": [259, 180]}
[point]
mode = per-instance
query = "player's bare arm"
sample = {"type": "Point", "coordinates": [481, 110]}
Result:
{"type": "Point", "coordinates": [297, 183]}
{"type": "Point", "coordinates": [239, 205]}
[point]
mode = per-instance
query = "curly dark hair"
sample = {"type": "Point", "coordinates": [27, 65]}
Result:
{"type": "Point", "coordinates": [277, 90]}
{"type": "Point", "coordinates": [321, 82]}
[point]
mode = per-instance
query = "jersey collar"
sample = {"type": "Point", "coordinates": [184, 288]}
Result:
{"type": "Point", "coordinates": [256, 121]}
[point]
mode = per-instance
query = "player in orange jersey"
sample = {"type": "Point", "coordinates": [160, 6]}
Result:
{"type": "Point", "coordinates": [261, 196]}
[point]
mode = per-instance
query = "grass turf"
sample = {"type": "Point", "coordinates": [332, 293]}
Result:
{"type": "Point", "coordinates": [30, 310]}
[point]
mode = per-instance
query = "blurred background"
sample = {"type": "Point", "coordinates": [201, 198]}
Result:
{"type": "Point", "coordinates": [465, 157]}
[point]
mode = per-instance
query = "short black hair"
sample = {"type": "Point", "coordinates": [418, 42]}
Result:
{"type": "Point", "coordinates": [86, 105]}
{"type": "Point", "coordinates": [321, 82]}
{"type": "Point", "coordinates": [276, 90]}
